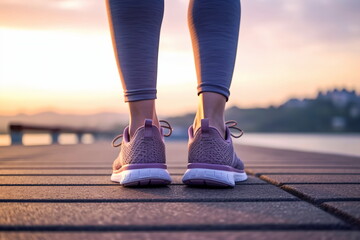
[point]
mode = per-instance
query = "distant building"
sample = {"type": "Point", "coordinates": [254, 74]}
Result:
{"type": "Point", "coordinates": [339, 98]}
{"type": "Point", "coordinates": [294, 103]}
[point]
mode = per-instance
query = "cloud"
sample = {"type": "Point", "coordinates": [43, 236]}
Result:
{"type": "Point", "coordinates": [301, 21]}
{"type": "Point", "coordinates": [297, 20]}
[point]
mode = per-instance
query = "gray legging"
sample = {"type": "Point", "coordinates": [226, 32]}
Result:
{"type": "Point", "coordinates": [214, 27]}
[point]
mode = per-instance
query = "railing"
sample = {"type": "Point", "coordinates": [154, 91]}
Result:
{"type": "Point", "coordinates": [17, 131]}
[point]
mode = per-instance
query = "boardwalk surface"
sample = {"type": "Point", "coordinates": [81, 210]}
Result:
{"type": "Point", "coordinates": [65, 192]}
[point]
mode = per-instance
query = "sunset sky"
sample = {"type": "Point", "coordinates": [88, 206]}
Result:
{"type": "Point", "coordinates": [57, 55]}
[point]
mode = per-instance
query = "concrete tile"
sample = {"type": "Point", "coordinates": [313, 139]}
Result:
{"type": "Point", "coordinates": [56, 180]}
{"type": "Point", "coordinates": [296, 165]}
{"type": "Point", "coordinates": [190, 235]}
{"type": "Point", "coordinates": [56, 171]}
{"type": "Point", "coordinates": [54, 166]}
{"type": "Point", "coordinates": [165, 214]}
{"type": "Point", "coordinates": [325, 191]}
{"type": "Point", "coordinates": [36, 163]}
{"type": "Point", "coordinates": [302, 170]}
{"type": "Point", "coordinates": [174, 192]}
{"type": "Point", "coordinates": [87, 180]}
{"type": "Point", "coordinates": [61, 153]}
{"type": "Point", "coordinates": [352, 208]}
{"type": "Point", "coordinates": [252, 154]}
{"type": "Point", "coordinates": [288, 179]}
{"type": "Point", "coordinates": [250, 180]}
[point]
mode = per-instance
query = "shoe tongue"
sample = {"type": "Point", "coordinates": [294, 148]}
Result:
{"type": "Point", "coordinates": [148, 128]}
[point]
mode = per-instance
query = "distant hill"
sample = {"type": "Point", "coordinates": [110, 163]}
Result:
{"type": "Point", "coordinates": [314, 118]}
{"type": "Point", "coordinates": [332, 111]}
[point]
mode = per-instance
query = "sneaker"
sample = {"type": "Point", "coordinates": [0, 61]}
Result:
{"type": "Point", "coordinates": [212, 159]}
{"type": "Point", "coordinates": [141, 160]}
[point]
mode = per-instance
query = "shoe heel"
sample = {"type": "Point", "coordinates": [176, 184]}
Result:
{"type": "Point", "coordinates": [208, 177]}
{"type": "Point", "coordinates": [142, 177]}
{"type": "Point", "coordinates": [212, 177]}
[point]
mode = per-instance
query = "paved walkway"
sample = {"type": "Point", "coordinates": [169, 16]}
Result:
{"type": "Point", "coordinates": [65, 192]}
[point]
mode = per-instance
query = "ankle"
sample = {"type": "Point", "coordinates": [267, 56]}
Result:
{"type": "Point", "coordinates": [211, 106]}
{"type": "Point", "coordinates": [214, 121]}
{"type": "Point", "coordinates": [139, 111]}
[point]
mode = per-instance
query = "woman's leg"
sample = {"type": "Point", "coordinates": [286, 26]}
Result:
{"type": "Point", "coordinates": [135, 28]}
{"type": "Point", "coordinates": [214, 28]}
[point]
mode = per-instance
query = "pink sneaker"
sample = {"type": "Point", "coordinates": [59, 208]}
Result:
{"type": "Point", "coordinates": [212, 159]}
{"type": "Point", "coordinates": [141, 160]}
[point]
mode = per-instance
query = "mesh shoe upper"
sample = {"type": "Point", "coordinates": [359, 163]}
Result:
{"type": "Point", "coordinates": [146, 146]}
{"type": "Point", "coordinates": [207, 145]}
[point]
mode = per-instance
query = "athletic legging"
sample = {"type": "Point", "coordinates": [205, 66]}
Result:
{"type": "Point", "coordinates": [135, 26]}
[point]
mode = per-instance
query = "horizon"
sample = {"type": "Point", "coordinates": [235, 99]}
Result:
{"type": "Point", "coordinates": [57, 56]}
{"type": "Point", "coordinates": [189, 112]}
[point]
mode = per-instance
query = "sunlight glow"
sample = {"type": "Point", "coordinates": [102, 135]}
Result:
{"type": "Point", "coordinates": [72, 72]}
{"type": "Point", "coordinates": [58, 56]}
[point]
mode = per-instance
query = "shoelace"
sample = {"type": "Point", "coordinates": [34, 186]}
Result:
{"type": "Point", "coordinates": [232, 124]}
{"type": "Point", "coordinates": [168, 126]}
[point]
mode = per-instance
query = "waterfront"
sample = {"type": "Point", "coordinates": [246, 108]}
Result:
{"type": "Point", "coordinates": [345, 144]}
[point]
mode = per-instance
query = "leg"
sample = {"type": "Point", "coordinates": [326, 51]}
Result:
{"type": "Point", "coordinates": [214, 28]}
{"type": "Point", "coordinates": [135, 27]}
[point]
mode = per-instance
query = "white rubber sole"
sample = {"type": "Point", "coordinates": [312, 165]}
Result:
{"type": "Point", "coordinates": [141, 177]}
{"type": "Point", "coordinates": [212, 177]}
